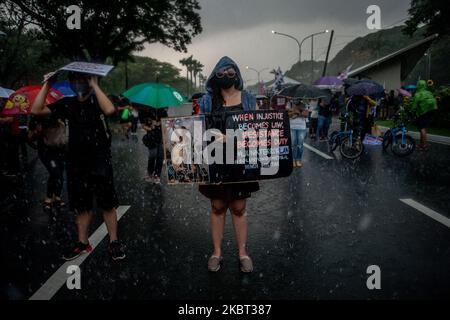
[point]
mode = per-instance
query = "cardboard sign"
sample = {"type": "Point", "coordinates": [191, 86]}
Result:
{"type": "Point", "coordinates": [264, 153]}
{"type": "Point", "coordinates": [257, 147]}
{"type": "Point", "coordinates": [179, 142]}
{"type": "Point", "coordinates": [89, 68]}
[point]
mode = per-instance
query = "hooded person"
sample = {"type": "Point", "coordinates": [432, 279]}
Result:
{"type": "Point", "coordinates": [423, 105]}
{"type": "Point", "coordinates": [224, 94]}
{"type": "Point", "coordinates": [214, 83]}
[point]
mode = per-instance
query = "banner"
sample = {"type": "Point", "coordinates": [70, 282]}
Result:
{"type": "Point", "coordinates": [250, 146]}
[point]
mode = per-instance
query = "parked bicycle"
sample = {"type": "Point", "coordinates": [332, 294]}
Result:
{"type": "Point", "coordinates": [348, 140]}
{"type": "Point", "coordinates": [402, 144]}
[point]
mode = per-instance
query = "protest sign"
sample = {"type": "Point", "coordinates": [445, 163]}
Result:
{"type": "Point", "coordinates": [182, 145]}
{"type": "Point", "coordinates": [89, 68]}
{"type": "Point", "coordinates": [254, 145]}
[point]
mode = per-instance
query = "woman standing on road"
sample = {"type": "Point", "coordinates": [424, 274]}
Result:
{"type": "Point", "coordinates": [297, 116]}
{"type": "Point", "coordinates": [225, 93]}
{"type": "Point", "coordinates": [50, 133]}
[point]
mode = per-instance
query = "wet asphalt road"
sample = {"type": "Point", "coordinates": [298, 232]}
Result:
{"type": "Point", "coordinates": [311, 236]}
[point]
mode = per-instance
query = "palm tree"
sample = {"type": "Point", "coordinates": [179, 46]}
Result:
{"type": "Point", "coordinates": [197, 69]}
{"type": "Point", "coordinates": [185, 62]}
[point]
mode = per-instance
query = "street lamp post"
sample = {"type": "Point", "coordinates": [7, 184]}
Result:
{"type": "Point", "coordinates": [259, 74]}
{"type": "Point", "coordinates": [296, 40]}
{"type": "Point", "coordinates": [299, 43]}
{"type": "Point", "coordinates": [312, 50]}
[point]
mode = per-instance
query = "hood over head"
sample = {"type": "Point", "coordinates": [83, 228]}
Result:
{"type": "Point", "coordinates": [225, 62]}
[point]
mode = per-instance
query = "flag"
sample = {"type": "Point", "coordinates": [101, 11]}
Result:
{"type": "Point", "coordinates": [344, 74]}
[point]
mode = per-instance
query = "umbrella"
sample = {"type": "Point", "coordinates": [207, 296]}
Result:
{"type": "Point", "coordinates": [366, 88]}
{"type": "Point", "coordinates": [20, 101]}
{"type": "Point", "coordinates": [328, 82]}
{"type": "Point", "coordinates": [405, 93]}
{"type": "Point", "coordinates": [5, 93]}
{"type": "Point", "coordinates": [64, 88]}
{"type": "Point", "coordinates": [303, 91]}
{"type": "Point", "coordinates": [155, 95]}
{"type": "Point", "coordinates": [411, 87]}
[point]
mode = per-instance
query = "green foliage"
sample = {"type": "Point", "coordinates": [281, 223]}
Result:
{"type": "Point", "coordinates": [140, 70]}
{"type": "Point", "coordinates": [433, 13]}
{"type": "Point", "coordinates": [112, 28]}
{"type": "Point", "coordinates": [24, 56]}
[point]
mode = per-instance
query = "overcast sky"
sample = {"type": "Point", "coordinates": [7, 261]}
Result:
{"type": "Point", "coordinates": [241, 29]}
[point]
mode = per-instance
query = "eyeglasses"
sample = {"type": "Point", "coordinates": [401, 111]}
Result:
{"type": "Point", "coordinates": [231, 73]}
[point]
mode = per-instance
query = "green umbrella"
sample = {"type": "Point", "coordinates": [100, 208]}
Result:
{"type": "Point", "coordinates": [155, 95]}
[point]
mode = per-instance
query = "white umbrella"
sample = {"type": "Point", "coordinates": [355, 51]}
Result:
{"type": "Point", "coordinates": [5, 93]}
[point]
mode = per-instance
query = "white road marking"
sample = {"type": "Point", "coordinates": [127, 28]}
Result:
{"type": "Point", "coordinates": [320, 153]}
{"type": "Point", "coordinates": [427, 211]}
{"type": "Point", "coordinates": [59, 278]}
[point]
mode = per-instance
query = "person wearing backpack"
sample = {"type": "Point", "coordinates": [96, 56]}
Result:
{"type": "Point", "coordinates": [89, 165]}
{"type": "Point", "coordinates": [50, 135]}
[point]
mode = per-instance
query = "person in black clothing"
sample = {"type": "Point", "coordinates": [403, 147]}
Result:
{"type": "Point", "coordinates": [324, 118]}
{"type": "Point", "coordinates": [225, 94]}
{"type": "Point", "coordinates": [153, 141]}
{"type": "Point", "coordinates": [49, 132]}
{"type": "Point", "coordinates": [89, 167]}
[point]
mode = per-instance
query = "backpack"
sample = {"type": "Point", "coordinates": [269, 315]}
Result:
{"type": "Point", "coordinates": [56, 136]}
{"type": "Point", "coordinates": [152, 138]}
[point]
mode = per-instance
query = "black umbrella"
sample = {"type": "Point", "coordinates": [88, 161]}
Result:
{"type": "Point", "coordinates": [303, 91]}
{"type": "Point", "coordinates": [366, 88]}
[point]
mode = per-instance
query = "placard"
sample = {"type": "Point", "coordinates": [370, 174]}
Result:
{"type": "Point", "coordinates": [179, 136]}
{"type": "Point", "coordinates": [89, 68]}
{"type": "Point", "coordinates": [251, 146]}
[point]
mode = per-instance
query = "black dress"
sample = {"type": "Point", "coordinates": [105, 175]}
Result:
{"type": "Point", "coordinates": [230, 191]}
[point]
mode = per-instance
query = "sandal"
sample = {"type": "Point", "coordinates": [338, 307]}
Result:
{"type": "Point", "coordinates": [47, 206]}
{"type": "Point", "coordinates": [59, 203]}
{"type": "Point", "coordinates": [246, 264]}
{"type": "Point", "coordinates": [214, 263]}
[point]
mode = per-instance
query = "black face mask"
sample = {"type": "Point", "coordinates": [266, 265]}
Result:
{"type": "Point", "coordinates": [80, 88]}
{"type": "Point", "coordinates": [226, 83]}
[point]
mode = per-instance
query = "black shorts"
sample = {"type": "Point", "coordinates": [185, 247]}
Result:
{"type": "Point", "coordinates": [229, 192]}
{"type": "Point", "coordinates": [424, 120]}
{"type": "Point", "coordinates": [86, 181]}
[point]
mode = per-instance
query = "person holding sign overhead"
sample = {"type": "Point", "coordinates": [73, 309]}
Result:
{"type": "Point", "coordinates": [89, 167]}
{"type": "Point", "coordinates": [225, 93]}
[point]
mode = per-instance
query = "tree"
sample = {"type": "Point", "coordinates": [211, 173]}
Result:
{"type": "Point", "coordinates": [24, 57]}
{"type": "Point", "coordinates": [113, 28]}
{"type": "Point", "coordinates": [197, 69]}
{"type": "Point", "coordinates": [433, 13]}
{"type": "Point", "coordinates": [141, 70]}
{"type": "Point", "coordinates": [185, 62]}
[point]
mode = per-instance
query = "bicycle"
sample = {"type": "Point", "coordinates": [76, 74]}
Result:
{"type": "Point", "coordinates": [348, 141]}
{"type": "Point", "coordinates": [402, 144]}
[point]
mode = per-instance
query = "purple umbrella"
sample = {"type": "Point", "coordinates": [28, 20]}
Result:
{"type": "Point", "coordinates": [329, 81]}
{"type": "Point", "coordinates": [405, 93]}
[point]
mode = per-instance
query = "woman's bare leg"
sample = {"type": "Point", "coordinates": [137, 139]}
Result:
{"type": "Point", "coordinates": [239, 216]}
{"type": "Point", "coordinates": [219, 209]}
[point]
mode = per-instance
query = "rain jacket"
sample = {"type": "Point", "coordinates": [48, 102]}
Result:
{"type": "Point", "coordinates": [248, 100]}
{"type": "Point", "coordinates": [423, 100]}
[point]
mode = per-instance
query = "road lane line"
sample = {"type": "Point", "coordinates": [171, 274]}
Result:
{"type": "Point", "coordinates": [320, 153]}
{"type": "Point", "coordinates": [59, 278]}
{"type": "Point", "coordinates": [427, 211]}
